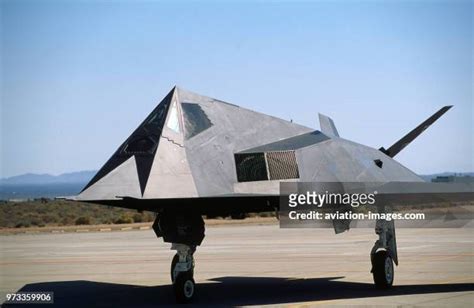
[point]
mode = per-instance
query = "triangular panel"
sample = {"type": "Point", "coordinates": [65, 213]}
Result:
{"type": "Point", "coordinates": [122, 181]}
{"type": "Point", "coordinates": [142, 144]}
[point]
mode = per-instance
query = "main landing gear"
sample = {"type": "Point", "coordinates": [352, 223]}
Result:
{"type": "Point", "coordinates": [384, 254]}
{"type": "Point", "coordinates": [185, 232]}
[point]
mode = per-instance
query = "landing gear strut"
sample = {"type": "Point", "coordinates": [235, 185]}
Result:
{"type": "Point", "coordinates": [384, 254]}
{"type": "Point", "coordinates": [185, 232]}
{"type": "Point", "coordinates": [182, 272]}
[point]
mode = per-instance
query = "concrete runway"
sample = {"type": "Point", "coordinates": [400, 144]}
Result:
{"type": "Point", "coordinates": [241, 265]}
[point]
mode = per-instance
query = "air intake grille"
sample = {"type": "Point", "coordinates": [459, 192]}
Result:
{"type": "Point", "coordinates": [278, 165]}
{"type": "Point", "coordinates": [282, 165]}
{"type": "Point", "coordinates": [251, 167]}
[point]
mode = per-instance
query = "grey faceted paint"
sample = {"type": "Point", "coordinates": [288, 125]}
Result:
{"type": "Point", "coordinates": [200, 138]}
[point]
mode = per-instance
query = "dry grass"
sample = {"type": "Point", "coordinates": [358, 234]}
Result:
{"type": "Point", "coordinates": [45, 212]}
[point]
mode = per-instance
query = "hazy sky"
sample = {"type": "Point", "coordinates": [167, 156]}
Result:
{"type": "Point", "coordinates": [79, 76]}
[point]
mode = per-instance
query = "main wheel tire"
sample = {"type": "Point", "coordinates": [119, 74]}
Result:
{"type": "Point", "coordinates": [382, 270]}
{"type": "Point", "coordinates": [184, 287]}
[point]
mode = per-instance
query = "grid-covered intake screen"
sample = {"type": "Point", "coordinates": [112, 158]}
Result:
{"type": "Point", "coordinates": [282, 165]}
{"type": "Point", "coordinates": [277, 165]}
{"type": "Point", "coordinates": [251, 167]}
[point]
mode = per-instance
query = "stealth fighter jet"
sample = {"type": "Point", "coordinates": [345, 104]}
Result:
{"type": "Point", "coordinates": [195, 155]}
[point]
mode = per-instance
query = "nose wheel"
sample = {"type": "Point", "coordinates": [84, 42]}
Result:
{"type": "Point", "coordinates": [182, 273]}
{"type": "Point", "coordinates": [184, 287]}
{"type": "Point", "coordinates": [185, 231]}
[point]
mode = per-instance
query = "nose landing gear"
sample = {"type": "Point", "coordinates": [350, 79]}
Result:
{"type": "Point", "coordinates": [182, 272]}
{"type": "Point", "coordinates": [185, 232]}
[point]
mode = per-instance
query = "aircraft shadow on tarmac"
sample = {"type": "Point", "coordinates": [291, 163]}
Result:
{"type": "Point", "coordinates": [232, 291]}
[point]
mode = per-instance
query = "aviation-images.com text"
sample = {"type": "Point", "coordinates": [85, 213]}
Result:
{"type": "Point", "coordinates": [314, 199]}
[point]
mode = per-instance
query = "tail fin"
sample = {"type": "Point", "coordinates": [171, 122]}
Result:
{"type": "Point", "coordinates": [402, 143]}
{"type": "Point", "coordinates": [327, 126]}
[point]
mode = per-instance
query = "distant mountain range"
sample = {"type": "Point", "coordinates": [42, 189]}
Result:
{"type": "Point", "coordinates": [43, 179]}
{"type": "Point", "coordinates": [30, 185]}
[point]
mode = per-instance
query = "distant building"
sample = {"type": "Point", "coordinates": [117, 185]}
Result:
{"type": "Point", "coordinates": [453, 179]}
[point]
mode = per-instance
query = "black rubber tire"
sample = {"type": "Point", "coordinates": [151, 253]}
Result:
{"type": "Point", "coordinates": [383, 270]}
{"type": "Point", "coordinates": [173, 264]}
{"type": "Point", "coordinates": [184, 288]}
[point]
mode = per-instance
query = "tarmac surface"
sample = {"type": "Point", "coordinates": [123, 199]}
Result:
{"type": "Point", "coordinates": [241, 265]}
